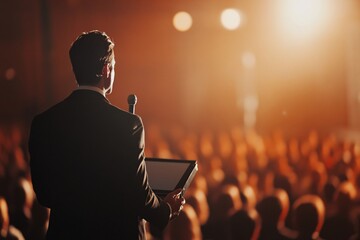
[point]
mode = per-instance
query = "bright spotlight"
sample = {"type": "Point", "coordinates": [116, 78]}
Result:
{"type": "Point", "coordinates": [304, 13]}
{"type": "Point", "coordinates": [231, 18]}
{"type": "Point", "coordinates": [304, 16]}
{"type": "Point", "coordinates": [182, 21]}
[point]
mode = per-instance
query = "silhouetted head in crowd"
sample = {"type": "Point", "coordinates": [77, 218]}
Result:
{"type": "Point", "coordinates": [39, 221]}
{"type": "Point", "coordinates": [92, 58]}
{"type": "Point", "coordinates": [329, 189]}
{"type": "Point", "coordinates": [199, 182]}
{"type": "Point", "coordinates": [248, 197]}
{"type": "Point", "coordinates": [309, 214]}
{"type": "Point", "coordinates": [357, 181]}
{"type": "Point", "coordinates": [4, 217]}
{"type": "Point", "coordinates": [7, 231]}
{"type": "Point", "coordinates": [197, 199]}
{"type": "Point", "coordinates": [346, 174]}
{"type": "Point", "coordinates": [273, 210]}
{"type": "Point", "coordinates": [270, 209]}
{"type": "Point", "coordinates": [283, 182]}
{"type": "Point", "coordinates": [216, 174]}
{"type": "Point", "coordinates": [186, 226]}
{"type": "Point", "coordinates": [20, 204]}
{"type": "Point", "coordinates": [284, 202]}
{"type": "Point", "coordinates": [344, 197]}
{"type": "Point", "coordinates": [22, 197]}
{"type": "Point", "coordinates": [318, 179]}
{"type": "Point", "coordinates": [227, 202]}
{"type": "Point", "coordinates": [355, 219]}
{"type": "Point", "coordinates": [245, 225]}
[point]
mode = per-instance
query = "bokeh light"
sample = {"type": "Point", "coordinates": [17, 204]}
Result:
{"type": "Point", "coordinates": [182, 21]}
{"type": "Point", "coordinates": [10, 74]}
{"type": "Point", "coordinates": [231, 19]}
{"type": "Point", "coordinates": [248, 59]}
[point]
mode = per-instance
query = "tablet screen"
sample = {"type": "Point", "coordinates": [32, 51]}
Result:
{"type": "Point", "coordinates": [165, 175]}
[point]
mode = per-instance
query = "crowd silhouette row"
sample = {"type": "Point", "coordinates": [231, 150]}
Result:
{"type": "Point", "coordinates": [249, 185]}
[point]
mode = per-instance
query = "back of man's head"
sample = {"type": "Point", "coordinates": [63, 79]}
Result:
{"type": "Point", "coordinates": [88, 54]}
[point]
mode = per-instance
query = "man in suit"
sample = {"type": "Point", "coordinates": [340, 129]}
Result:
{"type": "Point", "coordinates": [87, 157]}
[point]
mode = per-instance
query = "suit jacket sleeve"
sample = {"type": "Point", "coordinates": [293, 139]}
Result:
{"type": "Point", "coordinates": [41, 173]}
{"type": "Point", "coordinates": [151, 208]}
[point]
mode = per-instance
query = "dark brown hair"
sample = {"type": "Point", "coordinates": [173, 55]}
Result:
{"type": "Point", "coordinates": [88, 54]}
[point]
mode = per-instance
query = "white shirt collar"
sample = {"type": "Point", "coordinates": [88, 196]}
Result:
{"type": "Point", "coordinates": [91, 88]}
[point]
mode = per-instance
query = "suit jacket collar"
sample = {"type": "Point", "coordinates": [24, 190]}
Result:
{"type": "Point", "coordinates": [89, 94]}
{"type": "Point", "coordinates": [92, 88]}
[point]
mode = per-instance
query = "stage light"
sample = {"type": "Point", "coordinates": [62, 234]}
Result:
{"type": "Point", "coordinates": [251, 103]}
{"type": "Point", "coordinates": [182, 21]}
{"type": "Point", "coordinates": [231, 19]}
{"type": "Point", "coordinates": [248, 59]}
{"type": "Point", "coordinates": [304, 16]}
{"type": "Point", "coordinates": [304, 13]}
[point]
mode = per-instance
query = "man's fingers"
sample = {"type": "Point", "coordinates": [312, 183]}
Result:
{"type": "Point", "coordinates": [177, 213]}
{"type": "Point", "coordinates": [177, 192]}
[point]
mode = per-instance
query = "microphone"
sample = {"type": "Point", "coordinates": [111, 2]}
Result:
{"type": "Point", "coordinates": [132, 100]}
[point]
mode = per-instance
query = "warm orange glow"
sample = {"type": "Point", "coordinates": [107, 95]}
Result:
{"type": "Point", "coordinates": [251, 103]}
{"type": "Point", "coordinates": [248, 59]}
{"type": "Point", "coordinates": [182, 21]}
{"type": "Point", "coordinates": [303, 16]}
{"type": "Point", "coordinates": [231, 19]}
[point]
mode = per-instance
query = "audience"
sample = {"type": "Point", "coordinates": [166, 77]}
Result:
{"type": "Point", "coordinates": [249, 186]}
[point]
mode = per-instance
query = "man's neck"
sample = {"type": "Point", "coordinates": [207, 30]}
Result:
{"type": "Point", "coordinates": [91, 88]}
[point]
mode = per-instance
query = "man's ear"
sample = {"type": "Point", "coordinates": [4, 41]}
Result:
{"type": "Point", "coordinates": [106, 70]}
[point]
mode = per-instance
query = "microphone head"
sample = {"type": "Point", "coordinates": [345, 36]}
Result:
{"type": "Point", "coordinates": [132, 99]}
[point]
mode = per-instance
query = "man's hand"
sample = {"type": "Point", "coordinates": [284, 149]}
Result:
{"type": "Point", "coordinates": [176, 202]}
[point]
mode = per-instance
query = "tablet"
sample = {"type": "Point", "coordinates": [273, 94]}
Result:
{"type": "Point", "coordinates": [166, 175]}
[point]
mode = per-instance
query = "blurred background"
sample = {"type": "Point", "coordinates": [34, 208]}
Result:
{"type": "Point", "coordinates": [264, 94]}
{"type": "Point", "coordinates": [280, 63]}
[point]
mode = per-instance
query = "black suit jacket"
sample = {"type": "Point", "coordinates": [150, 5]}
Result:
{"type": "Point", "coordinates": [87, 166]}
